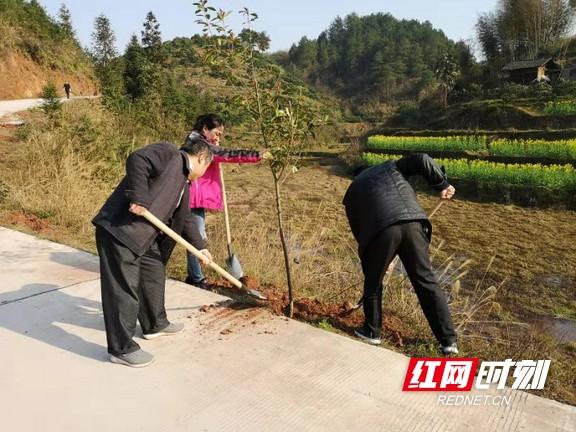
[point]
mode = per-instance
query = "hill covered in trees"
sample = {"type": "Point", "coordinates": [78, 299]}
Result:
{"type": "Point", "coordinates": [35, 49]}
{"type": "Point", "coordinates": [375, 59]}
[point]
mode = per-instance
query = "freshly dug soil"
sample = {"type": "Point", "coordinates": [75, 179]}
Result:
{"type": "Point", "coordinates": [28, 220]}
{"type": "Point", "coordinates": [340, 316]}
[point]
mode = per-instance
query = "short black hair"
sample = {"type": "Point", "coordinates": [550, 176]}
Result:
{"type": "Point", "coordinates": [211, 121]}
{"type": "Point", "coordinates": [197, 147]}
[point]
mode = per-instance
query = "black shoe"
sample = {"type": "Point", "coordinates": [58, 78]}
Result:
{"type": "Point", "coordinates": [367, 337]}
{"type": "Point", "coordinates": [203, 284]}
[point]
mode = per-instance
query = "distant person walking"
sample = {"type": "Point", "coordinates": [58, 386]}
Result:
{"type": "Point", "coordinates": [67, 89]}
{"type": "Point", "coordinates": [133, 253]}
{"type": "Point", "coordinates": [386, 221]}
{"type": "Point", "coordinates": [206, 191]}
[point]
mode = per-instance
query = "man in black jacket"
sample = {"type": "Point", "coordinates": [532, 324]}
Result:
{"type": "Point", "coordinates": [133, 253]}
{"type": "Point", "coordinates": [386, 221]}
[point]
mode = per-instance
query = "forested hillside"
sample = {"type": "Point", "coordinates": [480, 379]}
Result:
{"type": "Point", "coordinates": [374, 58]}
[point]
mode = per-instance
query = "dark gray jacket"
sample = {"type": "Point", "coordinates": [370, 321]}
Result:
{"type": "Point", "coordinates": [381, 196]}
{"type": "Point", "coordinates": [156, 178]}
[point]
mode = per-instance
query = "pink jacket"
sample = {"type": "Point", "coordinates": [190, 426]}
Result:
{"type": "Point", "coordinates": [206, 192]}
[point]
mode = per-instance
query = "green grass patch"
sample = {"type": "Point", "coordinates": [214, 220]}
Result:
{"type": "Point", "coordinates": [325, 325]}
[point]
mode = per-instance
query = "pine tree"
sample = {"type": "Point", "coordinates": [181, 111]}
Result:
{"type": "Point", "coordinates": [103, 53]}
{"type": "Point", "coordinates": [135, 69]}
{"type": "Point", "coordinates": [65, 21]}
{"type": "Point", "coordinates": [103, 41]}
{"type": "Point", "coordinates": [323, 56]}
{"type": "Point", "coordinates": [152, 39]}
{"type": "Point", "coordinates": [51, 104]}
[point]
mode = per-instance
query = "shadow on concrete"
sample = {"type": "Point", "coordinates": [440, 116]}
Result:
{"type": "Point", "coordinates": [45, 319]}
{"type": "Point", "coordinates": [78, 260]}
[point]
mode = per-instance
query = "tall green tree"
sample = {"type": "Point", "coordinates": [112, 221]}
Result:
{"type": "Point", "coordinates": [103, 42]}
{"type": "Point", "coordinates": [383, 75]}
{"type": "Point", "coordinates": [65, 21]}
{"type": "Point", "coordinates": [323, 53]}
{"type": "Point", "coordinates": [104, 53]}
{"type": "Point", "coordinates": [135, 69]}
{"type": "Point", "coordinates": [303, 54]}
{"type": "Point", "coordinates": [152, 38]}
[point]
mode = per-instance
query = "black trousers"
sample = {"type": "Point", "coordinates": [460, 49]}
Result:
{"type": "Point", "coordinates": [132, 289]}
{"type": "Point", "coordinates": [410, 242]}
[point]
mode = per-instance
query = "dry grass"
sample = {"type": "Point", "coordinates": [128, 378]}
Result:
{"type": "Point", "coordinates": [323, 252]}
{"type": "Point", "coordinates": [61, 172]}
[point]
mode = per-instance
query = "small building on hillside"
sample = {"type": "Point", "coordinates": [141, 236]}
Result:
{"type": "Point", "coordinates": [532, 71]}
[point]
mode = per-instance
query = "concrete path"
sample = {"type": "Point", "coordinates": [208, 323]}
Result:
{"type": "Point", "coordinates": [13, 106]}
{"type": "Point", "coordinates": [231, 370]}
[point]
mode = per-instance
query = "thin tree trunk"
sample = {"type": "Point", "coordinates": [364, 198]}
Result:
{"type": "Point", "coordinates": [284, 247]}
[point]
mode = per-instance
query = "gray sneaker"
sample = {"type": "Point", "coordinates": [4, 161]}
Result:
{"type": "Point", "coordinates": [135, 359]}
{"type": "Point", "coordinates": [172, 329]}
{"type": "Point", "coordinates": [449, 349]}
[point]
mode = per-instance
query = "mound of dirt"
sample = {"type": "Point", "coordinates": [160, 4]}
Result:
{"type": "Point", "coordinates": [28, 220]}
{"type": "Point", "coordinates": [341, 316]}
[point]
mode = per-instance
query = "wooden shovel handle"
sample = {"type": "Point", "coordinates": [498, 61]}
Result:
{"type": "Point", "coordinates": [226, 216]}
{"type": "Point", "coordinates": [178, 239]}
{"type": "Point", "coordinates": [433, 212]}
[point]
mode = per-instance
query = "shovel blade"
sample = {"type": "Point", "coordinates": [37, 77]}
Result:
{"type": "Point", "coordinates": [256, 294]}
{"type": "Point", "coordinates": [234, 267]}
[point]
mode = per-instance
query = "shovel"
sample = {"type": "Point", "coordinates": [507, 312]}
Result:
{"type": "Point", "coordinates": [232, 263]}
{"type": "Point", "coordinates": [170, 233]}
{"type": "Point", "coordinates": [394, 262]}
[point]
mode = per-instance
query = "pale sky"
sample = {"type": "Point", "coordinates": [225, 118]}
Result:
{"type": "Point", "coordinates": [284, 21]}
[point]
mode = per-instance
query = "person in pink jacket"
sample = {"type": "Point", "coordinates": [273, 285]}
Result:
{"type": "Point", "coordinates": [206, 192]}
